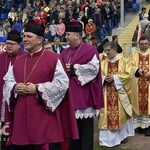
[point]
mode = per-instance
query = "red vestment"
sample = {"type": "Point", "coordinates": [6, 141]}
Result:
{"type": "Point", "coordinates": [33, 122]}
{"type": "Point", "coordinates": [5, 60]}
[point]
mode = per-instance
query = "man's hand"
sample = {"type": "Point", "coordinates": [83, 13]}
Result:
{"type": "Point", "coordinates": [68, 67]}
{"type": "Point", "coordinates": [142, 72]}
{"type": "Point", "coordinates": [31, 88]}
{"type": "Point", "coordinates": [25, 89]}
{"type": "Point", "coordinates": [147, 75]}
{"type": "Point", "coordinates": [109, 78]}
{"type": "Point", "coordinates": [20, 88]}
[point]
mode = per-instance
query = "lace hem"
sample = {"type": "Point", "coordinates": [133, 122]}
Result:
{"type": "Point", "coordinates": [86, 113]}
{"type": "Point", "coordinates": [3, 111]}
{"type": "Point", "coordinates": [52, 93]}
{"type": "Point", "coordinates": [7, 88]}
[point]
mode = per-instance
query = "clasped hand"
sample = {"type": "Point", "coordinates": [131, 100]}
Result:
{"type": "Point", "coordinates": [68, 67]}
{"type": "Point", "coordinates": [109, 78]}
{"type": "Point", "coordinates": [25, 89]}
{"type": "Point", "coordinates": [144, 73]}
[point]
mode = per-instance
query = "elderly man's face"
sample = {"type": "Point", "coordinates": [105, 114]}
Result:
{"type": "Point", "coordinates": [71, 38]}
{"type": "Point", "coordinates": [57, 42]}
{"type": "Point", "coordinates": [31, 41]}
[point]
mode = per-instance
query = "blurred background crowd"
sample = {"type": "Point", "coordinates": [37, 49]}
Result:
{"type": "Point", "coordinates": [98, 17]}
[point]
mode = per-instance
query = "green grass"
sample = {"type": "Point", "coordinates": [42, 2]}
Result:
{"type": "Point", "coordinates": [103, 148]}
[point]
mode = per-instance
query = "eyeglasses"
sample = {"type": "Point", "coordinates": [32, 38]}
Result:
{"type": "Point", "coordinates": [11, 44]}
{"type": "Point", "coordinates": [48, 48]}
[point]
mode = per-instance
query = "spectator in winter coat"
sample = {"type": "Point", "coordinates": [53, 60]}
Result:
{"type": "Point", "coordinates": [47, 34]}
{"type": "Point", "coordinates": [115, 39]}
{"type": "Point", "coordinates": [17, 24]}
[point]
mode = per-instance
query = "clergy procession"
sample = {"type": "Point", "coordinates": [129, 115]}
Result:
{"type": "Point", "coordinates": [50, 95]}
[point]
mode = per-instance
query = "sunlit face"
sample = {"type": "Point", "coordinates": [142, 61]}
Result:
{"type": "Point", "coordinates": [17, 19]}
{"type": "Point", "coordinates": [19, 9]}
{"type": "Point", "coordinates": [107, 4]}
{"type": "Point", "coordinates": [71, 38]}
{"type": "Point", "coordinates": [61, 2]}
{"type": "Point", "coordinates": [111, 53]}
{"type": "Point", "coordinates": [52, 6]}
{"type": "Point", "coordinates": [12, 47]}
{"type": "Point", "coordinates": [36, 14]}
{"type": "Point", "coordinates": [57, 41]}
{"type": "Point", "coordinates": [60, 21]}
{"type": "Point", "coordinates": [42, 8]}
{"type": "Point", "coordinates": [90, 22]}
{"type": "Point", "coordinates": [70, 7]}
{"type": "Point", "coordinates": [144, 11]}
{"type": "Point", "coordinates": [37, 3]}
{"type": "Point", "coordinates": [9, 29]}
{"type": "Point", "coordinates": [116, 39]}
{"type": "Point", "coordinates": [53, 21]}
{"type": "Point", "coordinates": [89, 37]}
{"type": "Point", "coordinates": [143, 45]}
{"type": "Point", "coordinates": [103, 2]}
{"type": "Point", "coordinates": [31, 41]}
{"type": "Point", "coordinates": [48, 47]}
{"type": "Point", "coordinates": [12, 9]}
{"type": "Point", "coordinates": [97, 11]}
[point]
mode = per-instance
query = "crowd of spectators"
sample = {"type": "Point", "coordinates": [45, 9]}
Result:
{"type": "Point", "coordinates": [98, 17]}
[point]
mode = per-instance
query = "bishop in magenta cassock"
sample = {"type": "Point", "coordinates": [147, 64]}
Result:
{"type": "Point", "coordinates": [82, 62]}
{"type": "Point", "coordinates": [36, 89]}
{"type": "Point", "coordinates": [12, 53]}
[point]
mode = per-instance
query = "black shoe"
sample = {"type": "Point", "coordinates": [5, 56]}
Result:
{"type": "Point", "coordinates": [124, 141]}
{"type": "Point", "coordinates": [147, 132]}
{"type": "Point", "coordinates": [140, 130]}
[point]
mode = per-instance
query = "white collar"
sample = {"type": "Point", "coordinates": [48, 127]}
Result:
{"type": "Point", "coordinates": [114, 59]}
{"type": "Point", "coordinates": [144, 52]}
{"type": "Point", "coordinates": [35, 52]}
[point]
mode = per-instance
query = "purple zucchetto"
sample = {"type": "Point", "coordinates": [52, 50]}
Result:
{"type": "Point", "coordinates": [73, 26]}
{"type": "Point", "coordinates": [14, 35]}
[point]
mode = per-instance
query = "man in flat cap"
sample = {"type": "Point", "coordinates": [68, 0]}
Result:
{"type": "Point", "coordinates": [83, 66]}
{"type": "Point", "coordinates": [7, 58]}
{"type": "Point", "coordinates": [37, 92]}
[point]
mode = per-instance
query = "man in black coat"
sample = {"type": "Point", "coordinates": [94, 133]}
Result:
{"type": "Point", "coordinates": [115, 39]}
{"type": "Point", "coordinates": [57, 48]}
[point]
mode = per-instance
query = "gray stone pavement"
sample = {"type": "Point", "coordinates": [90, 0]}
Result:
{"type": "Point", "coordinates": [137, 142]}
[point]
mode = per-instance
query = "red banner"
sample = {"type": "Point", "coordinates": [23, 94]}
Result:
{"type": "Point", "coordinates": [2, 47]}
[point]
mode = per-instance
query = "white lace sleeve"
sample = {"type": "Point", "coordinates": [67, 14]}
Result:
{"type": "Point", "coordinates": [87, 72]}
{"type": "Point", "coordinates": [54, 92]}
{"type": "Point", "coordinates": [9, 84]}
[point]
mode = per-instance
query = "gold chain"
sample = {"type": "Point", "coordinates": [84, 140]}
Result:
{"type": "Point", "coordinates": [25, 68]}
{"type": "Point", "coordinates": [69, 61]}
